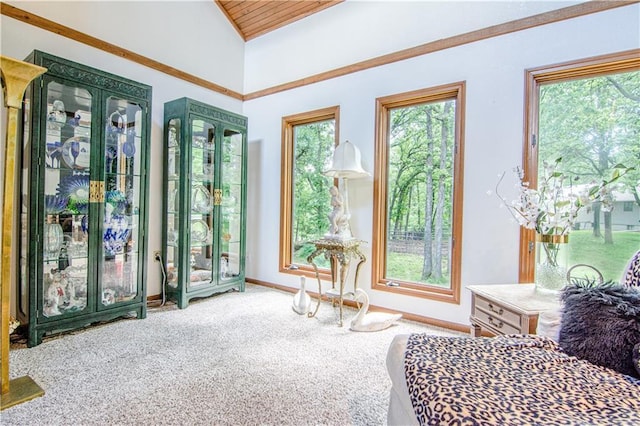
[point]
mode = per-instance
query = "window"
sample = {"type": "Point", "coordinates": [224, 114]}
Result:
{"type": "Point", "coordinates": [586, 112]}
{"type": "Point", "coordinates": [308, 141]}
{"type": "Point", "coordinates": [417, 224]}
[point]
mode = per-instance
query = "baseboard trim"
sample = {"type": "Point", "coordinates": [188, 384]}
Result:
{"type": "Point", "coordinates": [462, 328]}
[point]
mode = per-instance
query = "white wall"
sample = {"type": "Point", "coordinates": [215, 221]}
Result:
{"type": "Point", "coordinates": [356, 30]}
{"type": "Point", "coordinates": [19, 39]}
{"type": "Point", "coordinates": [494, 72]}
{"type": "Point", "coordinates": [190, 35]}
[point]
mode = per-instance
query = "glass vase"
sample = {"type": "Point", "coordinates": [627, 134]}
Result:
{"type": "Point", "coordinates": [551, 262]}
{"type": "Point", "coordinates": [52, 240]}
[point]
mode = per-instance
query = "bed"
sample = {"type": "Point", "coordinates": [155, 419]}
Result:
{"type": "Point", "coordinates": [514, 379]}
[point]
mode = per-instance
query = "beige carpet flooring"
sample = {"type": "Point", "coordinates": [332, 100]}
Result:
{"type": "Point", "coordinates": [231, 359]}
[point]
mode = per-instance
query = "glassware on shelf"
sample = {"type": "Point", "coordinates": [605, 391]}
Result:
{"type": "Point", "coordinates": [53, 154]}
{"type": "Point", "coordinates": [52, 239]}
{"type": "Point", "coordinates": [172, 200]}
{"type": "Point", "coordinates": [199, 141]}
{"type": "Point", "coordinates": [208, 169]}
{"type": "Point", "coordinates": [172, 236]}
{"type": "Point", "coordinates": [173, 137]}
{"type": "Point", "coordinates": [82, 118]}
{"type": "Point", "coordinates": [117, 200]}
{"type": "Point", "coordinates": [116, 123]}
{"type": "Point", "coordinates": [199, 232]}
{"type": "Point", "coordinates": [129, 146]}
{"type": "Point", "coordinates": [171, 166]}
{"type": "Point", "coordinates": [57, 116]}
{"type": "Point", "coordinates": [200, 199]}
{"type": "Point", "coordinates": [76, 152]}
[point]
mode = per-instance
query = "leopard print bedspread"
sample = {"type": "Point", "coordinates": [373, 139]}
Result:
{"type": "Point", "coordinates": [632, 272]}
{"type": "Point", "coordinates": [513, 380]}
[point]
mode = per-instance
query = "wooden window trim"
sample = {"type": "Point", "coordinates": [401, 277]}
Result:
{"type": "Point", "coordinates": [590, 67]}
{"type": "Point", "coordinates": [453, 91]}
{"type": "Point", "coordinates": [286, 185]}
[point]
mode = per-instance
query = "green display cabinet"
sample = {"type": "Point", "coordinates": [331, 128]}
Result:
{"type": "Point", "coordinates": [205, 160]}
{"type": "Point", "coordinates": [83, 212]}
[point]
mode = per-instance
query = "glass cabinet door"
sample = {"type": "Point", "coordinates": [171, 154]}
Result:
{"type": "Point", "coordinates": [67, 169]}
{"type": "Point", "coordinates": [231, 206]}
{"type": "Point", "coordinates": [201, 205]}
{"type": "Point", "coordinates": [173, 177]}
{"type": "Point", "coordinates": [121, 207]}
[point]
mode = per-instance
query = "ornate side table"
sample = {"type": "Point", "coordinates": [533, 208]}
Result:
{"type": "Point", "coordinates": [339, 253]}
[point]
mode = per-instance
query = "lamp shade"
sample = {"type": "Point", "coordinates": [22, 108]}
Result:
{"type": "Point", "coordinates": [346, 162]}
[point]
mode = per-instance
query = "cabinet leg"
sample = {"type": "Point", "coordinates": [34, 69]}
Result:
{"type": "Point", "coordinates": [476, 330]}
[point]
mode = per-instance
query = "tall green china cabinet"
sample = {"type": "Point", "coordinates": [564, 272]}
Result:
{"type": "Point", "coordinates": [83, 211]}
{"type": "Point", "coordinates": [204, 203]}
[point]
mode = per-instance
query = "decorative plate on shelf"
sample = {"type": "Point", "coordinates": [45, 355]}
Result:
{"type": "Point", "coordinates": [76, 189]}
{"type": "Point", "coordinates": [55, 204]}
{"type": "Point", "coordinates": [200, 199]}
{"type": "Point", "coordinates": [76, 152]}
{"type": "Point", "coordinates": [199, 232]}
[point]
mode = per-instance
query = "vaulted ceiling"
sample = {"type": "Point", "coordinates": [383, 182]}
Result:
{"type": "Point", "coordinates": [253, 18]}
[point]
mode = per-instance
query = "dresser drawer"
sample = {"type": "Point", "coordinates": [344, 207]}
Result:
{"type": "Point", "coordinates": [497, 316]}
{"type": "Point", "coordinates": [493, 322]}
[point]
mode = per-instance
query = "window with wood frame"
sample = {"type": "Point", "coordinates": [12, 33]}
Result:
{"type": "Point", "coordinates": [417, 223]}
{"type": "Point", "coordinates": [308, 141]}
{"type": "Point", "coordinates": [586, 113]}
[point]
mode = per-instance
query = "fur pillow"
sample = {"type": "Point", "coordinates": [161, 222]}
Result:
{"type": "Point", "coordinates": [601, 324]}
{"type": "Point", "coordinates": [636, 357]}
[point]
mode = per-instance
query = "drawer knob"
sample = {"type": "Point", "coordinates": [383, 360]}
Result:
{"type": "Point", "coordinates": [498, 325]}
{"type": "Point", "coordinates": [494, 310]}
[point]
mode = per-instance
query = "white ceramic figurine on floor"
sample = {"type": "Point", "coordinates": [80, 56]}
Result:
{"type": "Point", "coordinates": [371, 321]}
{"type": "Point", "coordinates": [301, 300]}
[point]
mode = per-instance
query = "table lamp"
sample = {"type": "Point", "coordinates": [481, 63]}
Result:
{"type": "Point", "coordinates": [345, 165]}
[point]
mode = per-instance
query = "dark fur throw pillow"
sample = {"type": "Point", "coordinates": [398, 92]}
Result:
{"type": "Point", "coordinates": [636, 358]}
{"type": "Point", "coordinates": [601, 324]}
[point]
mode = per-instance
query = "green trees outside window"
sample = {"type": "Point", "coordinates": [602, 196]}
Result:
{"type": "Point", "coordinates": [313, 146]}
{"type": "Point", "coordinates": [308, 141]}
{"type": "Point", "coordinates": [418, 186]}
{"type": "Point", "coordinates": [420, 193]}
{"type": "Point", "coordinates": [593, 123]}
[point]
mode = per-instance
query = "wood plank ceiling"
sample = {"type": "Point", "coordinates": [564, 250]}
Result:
{"type": "Point", "coordinates": [253, 18]}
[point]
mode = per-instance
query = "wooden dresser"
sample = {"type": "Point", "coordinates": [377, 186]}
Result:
{"type": "Point", "coordinates": [508, 308]}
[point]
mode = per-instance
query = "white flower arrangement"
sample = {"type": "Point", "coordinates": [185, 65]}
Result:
{"type": "Point", "coordinates": [552, 208]}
